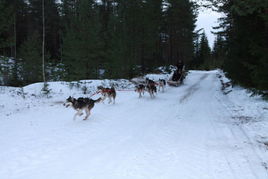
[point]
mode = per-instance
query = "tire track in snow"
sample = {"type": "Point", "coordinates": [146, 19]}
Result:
{"type": "Point", "coordinates": [194, 135]}
{"type": "Point", "coordinates": [224, 153]}
{"type": "Point", "coordinates": [247, 140]}
{"type": "Point", "coordinates": [240, 144]}
{"type": "Point", "coordinates": [204, 104]}
{"type": "Point", "coordinates": [192, 89]}
{"type": "Point", "coordinates": [237, 140]}
{"type": "Point", "coordinates": [199, 109]}
{"type": "Point", "coordinates": [170, 147]}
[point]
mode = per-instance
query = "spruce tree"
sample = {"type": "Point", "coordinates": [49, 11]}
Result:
{"type": "Point", "coordinates": [219, 52]}
{"type": "Point", "coordinates": [31, 55]}
{"type": "Point", "coordinates": [52, 21]}
{"type": "Point", "coordinates": [180, 24]}
{"type": "Point", "coordinates": [6, 26]}
{"type": "Point", "coordinates": [245, 30]}
{"type": "Point", "coordinates": [81, 42]}
{"type": "Point", "coordinates": [204, 53]}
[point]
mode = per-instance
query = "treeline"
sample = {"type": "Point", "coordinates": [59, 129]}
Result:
{"type": "Point", "coordinates": [241, 45]}
{"type": "Point", "coordinates": [93, 39]}
{"type": "Point", "coordinates": [124, 38]}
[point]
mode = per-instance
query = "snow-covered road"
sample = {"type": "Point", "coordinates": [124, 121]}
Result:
{"type": "Point", "coordinates": [186, 132]}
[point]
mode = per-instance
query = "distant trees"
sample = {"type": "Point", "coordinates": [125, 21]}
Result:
{"type": "Point", "coordinates": [6, 26]}
{"type": "Point", "coordinates": [94, 39]}
{"type": "Point", "coordinates": [241, 44]}
{"type": "Point", "coordinates": [124, 38]}
{"type": "Point", "coordinates": [180, 18]}
{"type": "Point", "coordinates": [219, 51]}
{"type": "Point", "coordinates": [244, 40]}
{"type": "Point", "coordinates": [81, 40]}
{"type": "Point", "coordinates": [31, 53]}
{"type": "Point", "coordinates": [202, 59]}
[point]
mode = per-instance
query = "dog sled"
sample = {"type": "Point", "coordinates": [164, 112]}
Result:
{"type": "Point", "coordinates": [174, 83]}
{"type": "Point", "coordinates": [176, 80]}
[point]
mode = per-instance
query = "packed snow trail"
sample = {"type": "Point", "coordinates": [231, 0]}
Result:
{"type": "Point", "coordinates": [184, 133]}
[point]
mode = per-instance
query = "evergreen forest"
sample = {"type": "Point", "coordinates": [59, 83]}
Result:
{"type": "Point", "coordinates": [48, 40]}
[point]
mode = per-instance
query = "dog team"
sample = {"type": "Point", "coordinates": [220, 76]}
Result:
{"type": "Point", "coordinates": [86, 104]}
{"type": "Point", "coordinates": [150, 87]}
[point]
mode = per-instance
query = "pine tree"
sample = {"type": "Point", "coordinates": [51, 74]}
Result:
{"type": "Point", "coordinates": [245, 30]}
{"type": "Point", "coordinates": [219, 51]}
{"type": "Point", "coordinates": [111, 36]}
{"type": "Point", "coordinates": [180, 25]}
{"type": "Point", "coordinates": [204, 53]}
{"type": "Point", "coordinates": [52, 31]}
{"type": "Point", "coordinates": [81, 42]}
{"type": "Point", "coordinates": [13, 21]}
{"type": "Point", "coordinates": [43, 41]}
{"type": "Point", "coordinates": [6, 26]}
{"type": "Point", "coordinates": [151, 29]}
{"type": "Point", "coordinates": [31, 55]}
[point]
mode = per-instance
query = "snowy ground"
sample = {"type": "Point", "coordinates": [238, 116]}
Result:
{"type": "Point", "coordinates": [189, 132]}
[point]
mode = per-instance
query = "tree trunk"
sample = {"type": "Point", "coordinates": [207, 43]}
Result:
{"type": "Point", "coordinates": [43, 43]}
{"type": "Point", "coordinates": [15, 37]}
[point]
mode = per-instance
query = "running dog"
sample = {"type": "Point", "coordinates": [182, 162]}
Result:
{"type": "Point", "coordinates": [162, 84]}
{"type": "Point", "coordinates": [149, 82]}
{"type": "Point", "coordinates": [151, 90]}
{"type": "Point", "coordinates": [140, 89]}
{"type": "Point", "coordinates": [107, 92]}
{"type": "Point", "coordinates": [81, 104]}
{"type": "Point", "coordinates": [151, 87]}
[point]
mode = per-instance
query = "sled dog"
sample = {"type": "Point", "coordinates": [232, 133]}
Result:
{"type": "Point", "coordinates": [81, 104]}
{"type": "Point", "coordinates": [107, 92]}
{"type": "Point", "coordinates": [162, 84]}
{"type": "Point", "coordinates": [151, 87]}
{"type": "Point", "coordinates": [140, 89]}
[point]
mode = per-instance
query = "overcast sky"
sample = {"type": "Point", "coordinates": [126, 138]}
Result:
{"type": "Point", "coordinates": [207, 19]}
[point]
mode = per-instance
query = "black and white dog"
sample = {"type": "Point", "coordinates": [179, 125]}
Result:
{"type": "Point", "coordinates": [162, 84]}
{"type": "Point", "coordinates": [140, 89]}
{"type": "Point", "coordinates": [81, 104]}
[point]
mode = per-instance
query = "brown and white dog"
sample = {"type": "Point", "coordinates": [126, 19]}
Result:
{"type": "Point", "coordinates": [107, 92]}
{"type": "Point", "coordinates": [151, 87]}
{"type": "Point", "coordinates": [81, 104]}
{"type": "Point", "coordinates": [140, 89]}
